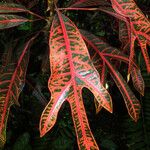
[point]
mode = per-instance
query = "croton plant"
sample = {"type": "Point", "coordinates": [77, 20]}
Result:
{"type": "Point", "coordinates": [78, 59]}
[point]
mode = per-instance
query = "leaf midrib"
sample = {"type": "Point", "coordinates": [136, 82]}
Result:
{"type": "Point", "coordinates": [72, 70]}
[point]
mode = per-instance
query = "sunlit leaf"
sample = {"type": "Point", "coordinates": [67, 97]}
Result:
{"type": "Point", "coordinates": [71, 70]}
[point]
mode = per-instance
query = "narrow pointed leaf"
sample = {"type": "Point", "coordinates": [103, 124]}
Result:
{"type": "Point", "coordinates": [8, 21]}
{"type": "Point", "coordinates": [11, 84]}
{"type": "Point", "coordinates": [139, 24]}
{"type": "Point", "coordinates": [123, 36]}
{"type": "Point", "coordinates": [101, 49]}
{"type": "Point", "coordinates": [11, 8]}
{"type": "Point", "coordinates": [104, 48]}
{"type": "Point", "coordinates": [71, 70]}
{"type": "Point", "coordinates": [132, 52]}
{"type": "Point", "coordinates": [127, 42]}
{"type": "Point", "coordinates": [137, 80]}
{"type": "Point", "coordinates": [131, 101]}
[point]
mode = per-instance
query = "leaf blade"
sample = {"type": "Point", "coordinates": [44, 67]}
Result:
{"type": "Point", "coordinates": [72, 70]}
{"type": "Point", "coordinates": [11, 84]}
{"type": "Point", "coordinates": [8, 21]}
{"type": "Point", "coordinates": [137, 80]}
{"type": "Point", "coordinates": [101, 49]}
{"type": "Point", "coordinates": [139, 24]}
{"type": "Point", "coordinates": [11, 8]}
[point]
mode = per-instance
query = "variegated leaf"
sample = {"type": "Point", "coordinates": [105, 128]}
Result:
{"type": "Point", "coordinates": [8, 21]}
{"type": "Point", "coordinates": [139, 24]}
{"type": "Point", "coordinates": [123, 36]}
{"type": "Point", "coordinates": [11, 84]}
{"type": "Point", "coordinates": [138, 81]}
{"type": "Point", "coordinates": [71, 70]}
{"type": "Point", "coordinates": [102, 51]}
{"type": "Point", "coordinates": [11, 8]}
{"type": "Point", "coordinates": [131, 101]}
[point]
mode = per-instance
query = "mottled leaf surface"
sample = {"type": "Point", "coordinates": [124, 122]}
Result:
{"type": "Point", "coordinates": [138, 80]}
{"type": "Point", "coordinates": [11, 84]}
{"type": "Point", "coordinates": [139, 25]}
{"type": "Point", "coordinates": [71, 70]}
{"type": "Point", "coordinates": [105, 52]}
{"type": "Point", "coordinates": [11, 8]}
{"type": "Point", "coordinates": [123, 36]}
{"type": "Point", "coordinates": [8, 21]}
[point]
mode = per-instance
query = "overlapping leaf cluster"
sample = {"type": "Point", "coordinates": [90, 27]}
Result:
{"type": "Point", "coordinates": [78, 59]}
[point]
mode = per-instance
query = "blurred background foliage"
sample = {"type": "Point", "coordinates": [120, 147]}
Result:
{"type": "Point", "coordinates": [112, 131]}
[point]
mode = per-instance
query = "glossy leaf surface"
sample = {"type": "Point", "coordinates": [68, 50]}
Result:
{"type": "Point", "coordinates": [71, 70]}
{"type": "Point", "coordinates": [103, 51]}
{"type": "Point", "coordinates": [8, 21]}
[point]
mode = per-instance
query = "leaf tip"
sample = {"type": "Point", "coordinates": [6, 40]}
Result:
{"type": "Point", "coordinates": [142, 92]}
{"type": "Point", "coordinates": [42, 131]}
{"type": "Point", "coordinates": [109, 108]}
{"type": "Point", "coordinates": [41, 134]}
{"type": "Point", "coordinates": [128, 77]}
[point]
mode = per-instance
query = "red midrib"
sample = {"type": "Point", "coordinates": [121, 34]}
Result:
{"type": "Point", "coordinates": [122, 85]}
{"type": "Point", "coordinates": [72, 70]}
{"type": "Point", "coordinates": [103, 58]}
{"type": "Point", "coordinates": [12, 9]}
{"type": "Point", "coordinates": [13, 21]}
{"type": "Point", "coordinates": [11, 85]}
{"type": "Point", "coordinates": [139, 82]}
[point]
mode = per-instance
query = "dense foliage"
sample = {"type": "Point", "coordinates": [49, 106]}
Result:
{"type": "Point", "coordinates": [88, 48]}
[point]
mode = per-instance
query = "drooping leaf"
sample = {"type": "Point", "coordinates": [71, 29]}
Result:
{"type": "Point", "coordinates": [139, 25]}
{"type": "Point", "coordinates": [71, 70]}
{"type": "Point", "coordinates": [11, 84]}
{"type": "Point", "coordinates": [8, 53]}
{"type": "Point", "coordinates": [8, 21]}
{"type": "Point", "coordinates": [132, 104]}
{"type": "Point", "coordinates": [128, 40]}
{"type": "Point", "coordinates": [11, 8]}
{"type": "Point", "coordinates": [138, 81]}
{"type": "Point", "coordinates": [123, 36]}
{"type": "Point", "coordinates": [103, 50]}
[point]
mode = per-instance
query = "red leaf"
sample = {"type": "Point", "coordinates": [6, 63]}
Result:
{"type": "Point", "coordinates": [11, 8]}
{"type": "Point", "coordinates": [132, 104]}
{"type": "Point", "coordinates": [123, 36]}
{"type": "Point", "coordinates": [104, 48]}
{"type": "Point", "coordinates": [71, 70]}
{"type": "Point", "coordinates": [101, 48]}
{"type": "Point", "coordinates": [139, 24]}
{"type": "Point", "coordinates": [11, 84]}
{"type": "Point", "coordinates": [8, 21]}
{"type": "Point", "coordinates": [138, 81]}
